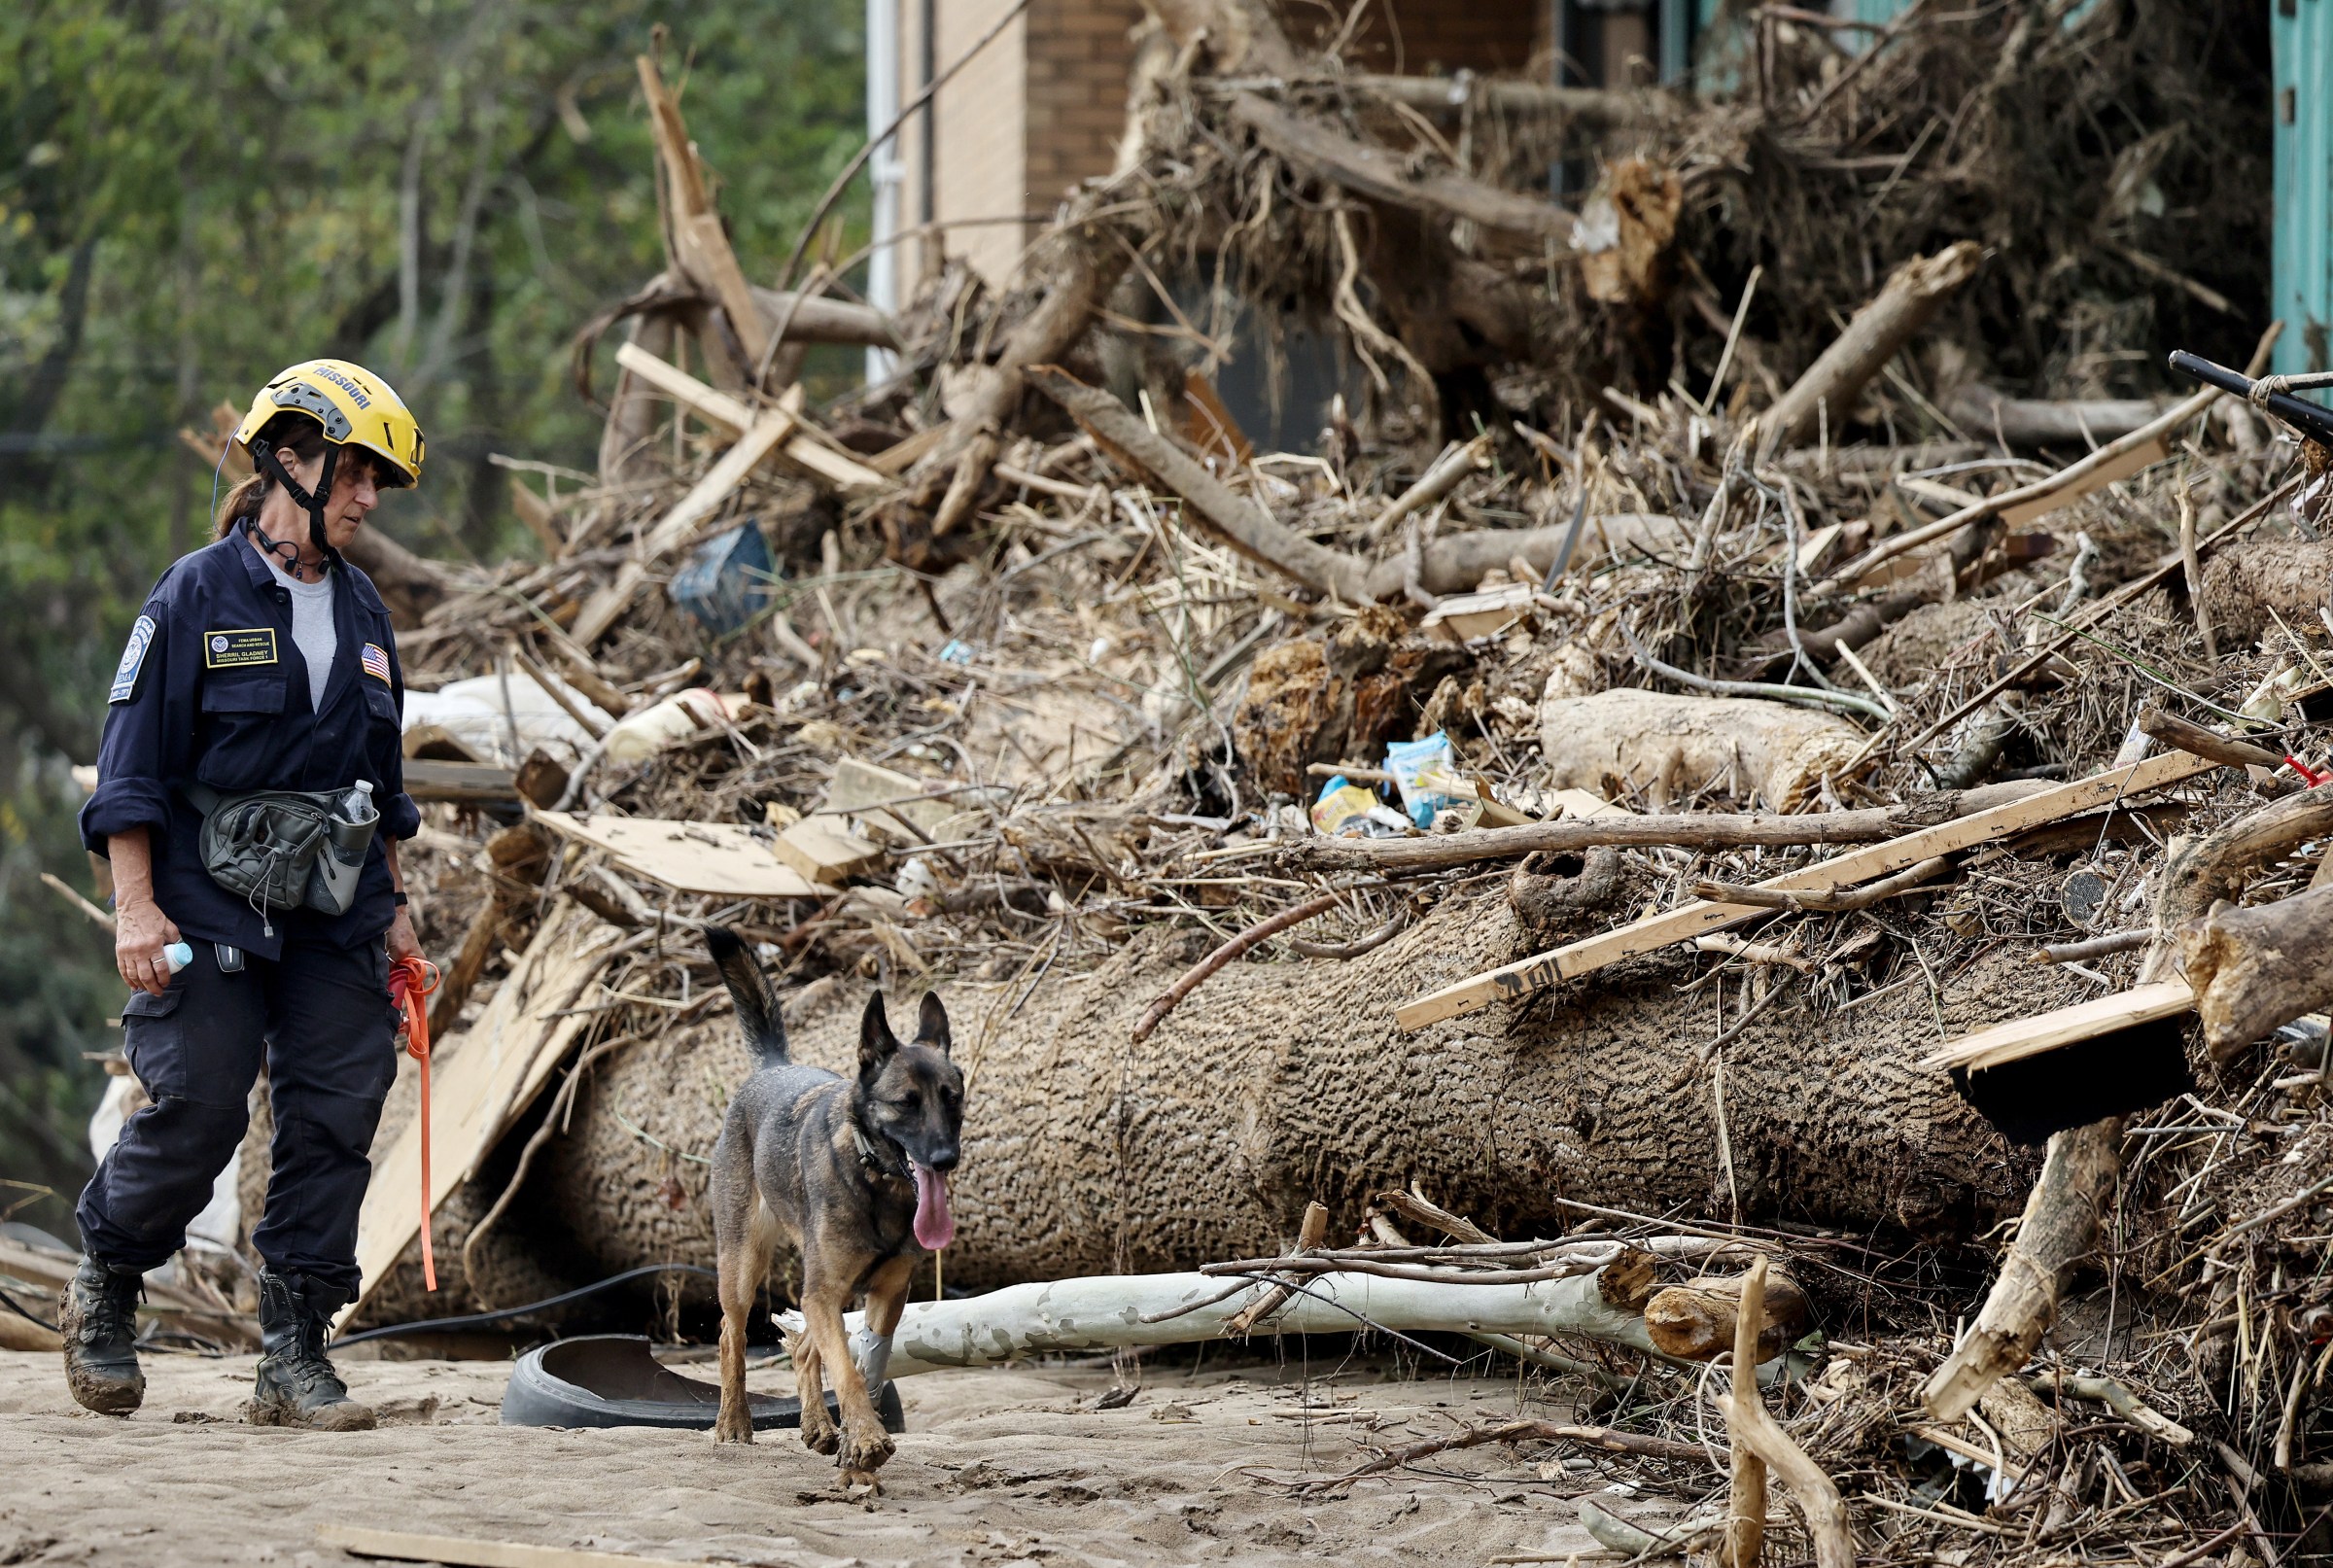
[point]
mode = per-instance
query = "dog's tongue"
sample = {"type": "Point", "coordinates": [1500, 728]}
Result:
{"type": "Point", "coordinates": [935, 1227]}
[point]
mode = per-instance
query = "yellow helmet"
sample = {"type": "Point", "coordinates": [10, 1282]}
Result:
{"type": "Point", "coordinates": [355, 408]}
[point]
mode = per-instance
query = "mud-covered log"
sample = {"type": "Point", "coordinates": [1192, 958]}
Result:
{"type": "Point", "coordinates": [1673, 746]}
{"type": "Point", "coordinates": [2251, 578]}
{"type": "Point", "coordinates": [2254, 969]}
{"type": "Point", "coordinates": [1284, 1082]}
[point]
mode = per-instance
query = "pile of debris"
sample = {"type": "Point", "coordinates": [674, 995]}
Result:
{"type": "Point", "coordinates": [1624, 818]}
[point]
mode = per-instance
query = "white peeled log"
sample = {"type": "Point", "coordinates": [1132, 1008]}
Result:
{"type": "Point", "coordinates": [1107, 1312]}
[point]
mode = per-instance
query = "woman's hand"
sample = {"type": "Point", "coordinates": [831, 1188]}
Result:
{"type": "Point", "coordinates": [403, 943]}
{"type": "Point", "coordinates": [141, 930]}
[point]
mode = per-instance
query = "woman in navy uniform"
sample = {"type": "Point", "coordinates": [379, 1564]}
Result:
{"type": "Point", "coordinates": [263, 662]}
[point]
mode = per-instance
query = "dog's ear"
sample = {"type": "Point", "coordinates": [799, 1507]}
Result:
{"type": "Point", "coordinates": [877, 1044]}
{"type": "Point", "coordinates": [931, 1023]}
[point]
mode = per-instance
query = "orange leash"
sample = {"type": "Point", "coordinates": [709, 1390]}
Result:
{"type": "Point", "coordinates": [411, 982]}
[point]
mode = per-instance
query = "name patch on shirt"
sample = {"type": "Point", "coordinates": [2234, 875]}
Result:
{"type": "Point", "coordinates": [234, 649]}
{"type": "Point", "coordinates": [133, 659]}
{"type": "Point", "coordinates": [376, 662]}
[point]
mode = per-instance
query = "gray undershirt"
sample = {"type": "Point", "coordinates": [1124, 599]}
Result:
{"type": "Point", "coordinates": [312, 630]}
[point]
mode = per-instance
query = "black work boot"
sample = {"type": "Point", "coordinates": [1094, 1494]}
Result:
{"type": "Point", "coordinates": [98, 1317]}
{"type": "Point", "coordinates": [296, 1385]}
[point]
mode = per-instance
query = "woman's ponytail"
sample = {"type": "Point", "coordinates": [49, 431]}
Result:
{"type": "Point", "coordinates": [298, 434]}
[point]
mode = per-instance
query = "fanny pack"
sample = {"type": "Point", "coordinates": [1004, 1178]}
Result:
{"type": "Point", "coordinates": [284, 849]}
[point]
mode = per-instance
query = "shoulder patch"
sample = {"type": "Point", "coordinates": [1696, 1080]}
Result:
{"type": "Point", "coordinates": [133, 659]}
{"type": "Point", "coordinates": [376, 662]}
{"type": "Point", "coordinates": [235, 648]}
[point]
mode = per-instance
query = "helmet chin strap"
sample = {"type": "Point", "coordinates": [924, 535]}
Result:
{"type": "Point", "coordinates": [310, 502]}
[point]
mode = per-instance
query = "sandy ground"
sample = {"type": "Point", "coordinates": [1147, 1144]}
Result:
{"type": "Point", "coordinates": [998, 1466]}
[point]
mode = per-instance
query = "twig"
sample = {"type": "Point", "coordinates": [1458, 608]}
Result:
{"type": "Point", "coordinates": [2097, 947]}
{"type": "Point", "coordinates": [1746, 1416]}
{"type": "Point", "coordinates": [1833, 902]}
{"type": "Point", "coordinates": [1237, 945]}
{"type": "Point", "coordinates": [1341, 950]}
{"type": "Point", "coordinates": [63, 889]}
{"type": "Point", "coordinates": [1594, 1437]}
{"type": "Point", "coordinates": [1810, 695]}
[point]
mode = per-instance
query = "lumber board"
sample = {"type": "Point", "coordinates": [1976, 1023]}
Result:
{"type": "Point", "coordinates": [718, 407]}
{"type": "Point", "coordinates": [826, 852]}
{"type": "Point", "coordinates": [2121, 466]}
{"type": "Point", "coordinates": [2022, 1038]}
{"type": "Point", "coordinates": [481, 1080]}
{"type": "Point", "coordinates": [460, 1552]}
{"type": "Point", "coordinates": [877, 799]}
{"type": "Point", "coordinates": [722, 859]}
{"type": "Point", "coordinates": [1541, 970]}
{"type": "Point", "coordinates": [428, 779]}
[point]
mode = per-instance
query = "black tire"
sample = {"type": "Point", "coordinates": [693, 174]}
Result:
{"type": "Point", "coordinates": [612, 1379]}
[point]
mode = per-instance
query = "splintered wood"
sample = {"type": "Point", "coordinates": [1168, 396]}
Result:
{"type": "Point", "coordinates": [696, 858]}
{"type": "Point", "coordinates": [1590, 954]}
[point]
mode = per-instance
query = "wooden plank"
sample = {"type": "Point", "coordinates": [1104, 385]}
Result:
{"type": "Point", "coordinates": [690, 857]}
{"type": "Point", "coordinates": [1541, 970]}
{"type": "Point", "coordinates": [719, 408]}
{"type": "Point", "coordinates": [404, 1545]}
{"type": "Point", "coordinates": [1577, 804]}
{"type": "Point", "coordinates": [2023, 1037]}
{"type": "Point", "coordinates": [2119, 467]}
{"type": "Point", "coordinates": [857, 788]}
{"type": "Point", "coordinates": [480, 1079]}
{"type": "Point", "coordinates": [825, 852]}
{"type": "Point", "coordinates": [426, 778]}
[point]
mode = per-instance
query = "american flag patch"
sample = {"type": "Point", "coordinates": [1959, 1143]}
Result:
{"type": "Point", "coordinates": [376, 662]}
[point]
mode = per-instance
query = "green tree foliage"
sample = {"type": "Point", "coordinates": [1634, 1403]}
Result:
{"type": "Point", "coordinates": [197, 193]}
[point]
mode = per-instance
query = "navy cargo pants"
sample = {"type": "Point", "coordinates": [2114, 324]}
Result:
{"type": "Point", "coordinates": [321, 1019]}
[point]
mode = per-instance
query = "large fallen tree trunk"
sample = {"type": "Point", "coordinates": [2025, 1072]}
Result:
{"type": "Point", "coordinates": [1283, 1083]}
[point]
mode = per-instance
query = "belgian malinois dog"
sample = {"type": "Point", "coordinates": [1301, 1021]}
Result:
{"type": "Point", "coordinates": [853, 1171]}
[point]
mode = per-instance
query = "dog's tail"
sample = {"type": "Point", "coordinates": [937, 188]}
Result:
{"type": "Point", "coordinates": [758, 1011]}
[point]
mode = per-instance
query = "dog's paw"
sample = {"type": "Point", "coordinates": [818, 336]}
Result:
{"type": "Point", "coordinates": [820, 1436]}
{"type": "Point", "coordinates": [864, 1451]}
{"type": "Point", "coordinates": [733, 1426]}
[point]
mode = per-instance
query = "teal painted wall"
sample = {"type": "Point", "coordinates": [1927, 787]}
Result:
{"type": "Point", "coordinates": [2301, 32]}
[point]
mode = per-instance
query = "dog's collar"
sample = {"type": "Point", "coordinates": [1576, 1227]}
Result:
{"type": "Point", "coordinates": [871, 1156]}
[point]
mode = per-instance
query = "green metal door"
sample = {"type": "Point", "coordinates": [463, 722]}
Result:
{"type": "Point", "coordinates": [2301, 33]}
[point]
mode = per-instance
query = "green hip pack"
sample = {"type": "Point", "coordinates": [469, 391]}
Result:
{"type": "Point", "coordinates": [286, 849]}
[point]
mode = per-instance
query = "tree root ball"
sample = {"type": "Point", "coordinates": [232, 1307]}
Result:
{"type": "Point", "coordinates": [2249, 578]}
{"type": "Point", "coordinates": [1281, 1082]}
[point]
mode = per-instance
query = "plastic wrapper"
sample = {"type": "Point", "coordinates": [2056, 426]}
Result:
{"type": "Point", "coordinates": [1426, 772]}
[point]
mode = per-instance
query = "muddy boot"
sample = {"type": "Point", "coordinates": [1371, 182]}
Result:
{"type": "Point", "coordinates": [296, 1385]}
{"type": "Point", "coordinates": [98, 1317]}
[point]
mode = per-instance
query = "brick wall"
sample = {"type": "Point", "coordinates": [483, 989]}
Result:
{"type": "Point", "coordinates": [1079, 56]}
{"type": "Point", "coordinates": [1436, 37]}
{"type": "Point", "coordinates": [1043, 106]}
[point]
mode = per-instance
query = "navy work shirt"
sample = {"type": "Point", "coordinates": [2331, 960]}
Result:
{"type": "Point", "coordinates": [212, 687]}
